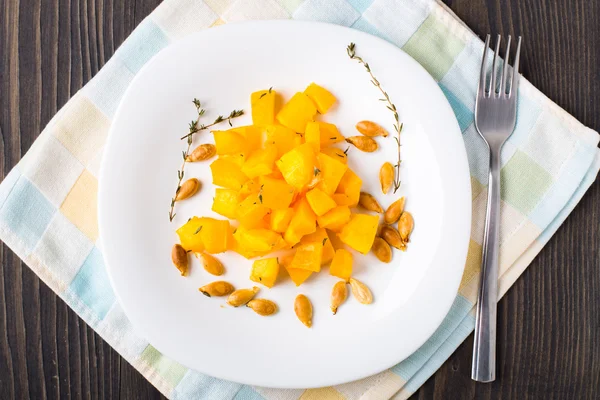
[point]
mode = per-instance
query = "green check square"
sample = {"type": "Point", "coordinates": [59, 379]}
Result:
{"type": "Point", "coordinates": [434, 46]}
{"type": "Point", "coordinates": [523, 182]}
{"type": "Point", "coordinates": [169, 370]}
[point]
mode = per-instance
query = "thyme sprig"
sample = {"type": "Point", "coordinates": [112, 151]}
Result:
{"type": "Point", "coordinates": [397, 125]}
{"type": "Point", "coordinates": [195, 127]}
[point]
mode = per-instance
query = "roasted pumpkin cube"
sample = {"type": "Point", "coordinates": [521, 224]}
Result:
{"type": "Point", "coordinates": [302, 223]}
{"type": "Point", "coordinates": [297, 112]}
{"type": "Point", "coordinates": [189, 237]}
{"type": "Point", "coordinates": [252, 136]}
{"type": "Point", "coordinates": [336, 154]}
{"type": "Point", "coordinates": [298, 276]}
{"type": "Point", "coordinates": [275, 193]}
{"type": "Point", "coordinates": [308, 256]}
{"type": "Point", "coordinates": [263, 107]}
{"type": "Point", "coordinates": [342, 199]}
{"type": "Point", "coordinates": [329, 134]}
{"type": "Point", "coordinates": [227, 174]}
{"type": "Point", "coordinates": [320, 235]}
{"type": "Point", "coordinates": [335, 219]}
{"type": "Point", "coordinates": [234, 245]}
{"type": "Point", "coordinates": [282, 137]}
{"type": "Point", "coordinates": [319, 201]}
{"type": "Point", "coordinates": [298, 166]}
{"type": "Point", "coordinates": [214, 234]}
{"type": "Point", "coordinates": [261, 162]}
{"type": "Point", "coordinates": [237, 159]}
{"type": "Point", "coordinates": [250, 212]}
{"type": "Point", "coordinates": [312, 136]}
{"type": "Point", "coordinates": [265, 271]}
{"type": "Point", "coordinates": [257, 240]}
{"type": "Point", "coordinates": [350, 185]}
{"type": "Point", "coordinates": [341, 265]}
{"type": "Point", "coordinates": [322, 98]}
{"type": "Point", "coordinates": [359, 233]}
{"type": "Point", "coordinates": [332, 171]}
{"type": "Point", "coordinates": [251, 186]}
{"type": "Point", "coordinates": [225, 202]}
{"type": "Point", "coordinates": [229, 142]}
{"type": "Point", "coordinates": [280, 219]}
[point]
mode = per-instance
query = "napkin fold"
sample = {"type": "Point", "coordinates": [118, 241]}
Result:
{"type": "Point", "coordinates": [48, 201]}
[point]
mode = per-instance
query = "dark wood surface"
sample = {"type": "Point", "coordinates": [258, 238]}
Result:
{"type": "Point", "coordinates": [549, 322]}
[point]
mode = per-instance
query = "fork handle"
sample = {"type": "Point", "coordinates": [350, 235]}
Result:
{"type": "Point", "coordinates": [484, 348]}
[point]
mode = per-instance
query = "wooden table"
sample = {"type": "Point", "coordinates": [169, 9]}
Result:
{"type": "Point", "coordinates": [549, 322]}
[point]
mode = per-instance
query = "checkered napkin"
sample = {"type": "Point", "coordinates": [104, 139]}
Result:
{"type": "Point", "coordinates": [48, 201]}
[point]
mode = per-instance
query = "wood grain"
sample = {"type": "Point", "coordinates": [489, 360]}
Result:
{"type": "Point", "coordinates": [549, 322]}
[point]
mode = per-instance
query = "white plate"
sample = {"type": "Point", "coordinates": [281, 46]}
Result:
{"type": "Point", "coordinates": [222, 66]}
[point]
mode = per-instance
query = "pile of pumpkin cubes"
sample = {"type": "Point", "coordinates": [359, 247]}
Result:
{"type": "Point", "coordinates": [287, 189]}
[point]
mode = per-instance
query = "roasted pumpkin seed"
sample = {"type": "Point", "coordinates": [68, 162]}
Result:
{"type": "Point", "coordinates": [180, 258]}
{"type": "Point", "coordinates": [369, 128]}
{"type": "Point", "coordinates": [242, 296]}
{"type": "Point", "coordinates": [363, 143]}
{"type": "Point", "coordinates": [217, 289]}
{"type": "Point", "coordinates": [369, 203]}
{"type": "Point", "coordinates": [361, 292]}
{"type": "Point", "coordinates": [202, 152]}
{"type": "Point", "coordinates": [188, 189]}
{"type": "Point", "coordinates": [382, 250]}
{"type": "Point", "coordinates": [392, 214]}
{"type": "Point", "coordinates": [262, 307]}
{"type": "Point", "coordinates": [303, 310]}
{"type": "Point", "coordinates": [386, 177]}
{"type": "Point", "coordinates": [339, 294]}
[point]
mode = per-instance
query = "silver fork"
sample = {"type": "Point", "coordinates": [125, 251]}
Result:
{"type": "Point", "coordinates": [495, 118]}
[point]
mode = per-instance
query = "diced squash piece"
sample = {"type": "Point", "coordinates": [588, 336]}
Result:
{"type": "Point", "coordinates": [261, 162]}
{"type": "Point", "coordinates": [276, 193]}
{"type": "Point", "coordinates": [263, 107]}
{"type": "Point", "coordinates": [335, 219]}
{"type": "Point", "coordinates": [342, 199]}
{"type": "Point", "coordinates": [229, 142]}
{"type": "Point", "coordinates": [299, 276]}
{"type": "Point", "coordinates": [298, 166]}
{"type": "Point", "coordinates": [189, 237]}
{"type": "Point", "coordinates": [319, 201]}
{"type": "Point", "coordinates": [226, 202]}
{"type": "Point", "coordinates": [265, 271]}
{"type": "Point", "coordinates": [332, 171]}
{"type": "Point", "coordinates": [359, 233]}
{"type": "Point", "coordinates": [312, 136]}
{"type": "Point", "coordinates": [308, 256]}
{"type": "Point", "coordinates": [282, 137]}
{"type": "Point", "coordinates": [329, 134]}
{"type": "Point", "coordinates": [297, 112]}
{"type": "Point", "coordinates": [341, 265]}
{"type": "Point", "coordinates": [320, 235]}
{"type": "Point", "coordinates": [336, 154]}
{"type": "Point", "coordinates": [237, 159]}
{"type": "Point", "coordinates": [214, 234]}
{"type": "Point", "coordinates": [227, 174]}
{"type": "Point", "coordinates": [302, 223]}
{"type": "Point", "coordinates": [350, 185]}
{"type": "Point", "coordinates": [280, 219]}
{"type": "Point", "coordinates": [258, 240]}
{"type": "Point", "coordinates": [252, 136]}
{"type": "Point", "coordinates": [250, 212]}
{"type": "Point", "coordinates": [322, 98]}
{"type": "Point", "coordinates": [251, 186]}
{"type": "Point", "coordinates": [234, 245]}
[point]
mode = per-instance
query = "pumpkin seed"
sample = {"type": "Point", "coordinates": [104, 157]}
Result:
{"type": "Point", "coordinates": [391, 236]}
{"type": "Point", "coordinates": [369, 128]}
{"type": "Point", "coordinates": [202, 152]}
{"type": "Point", "coordinates": [361, 292]}
{"type": "Point", "coordinates": [339, 294]}
{"type": "Point", "coordinates": [242, 296]}
{"type": "Point", "coordinates": [392, 214]}
{"type": "Point", "coordinates": [386, 177]}
{"type": "Point", "coordinates": [363, 143]}
{"type": "Point", "coordinates": [405, 228]}
{"type": "Point", "coordinates": [303, 310]}
{"type": "Point", "coordinates": [217, 289]}
{"type": "Point", "coordinates": [262, 307]}
{"type": "Point", "coordinates": [188, 189]}
{"type": "Point", "coordinates": [211, 264]}
{"type": "Point", "coordinates": [180, 258]}
{"type": "Point", "coordinates": [382, 250]}
{"type": "Point", "coordinates": [368, 202]}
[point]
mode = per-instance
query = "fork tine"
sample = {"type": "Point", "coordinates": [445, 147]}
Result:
{"type": "Point", "coordinates": [503, 82]}
{"type": "Point", "coordinates": [493, 87]}
{"type": "Point", "coordinates": [515, 71]}
{"type": "Point", "coordinates": [482, 76]}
